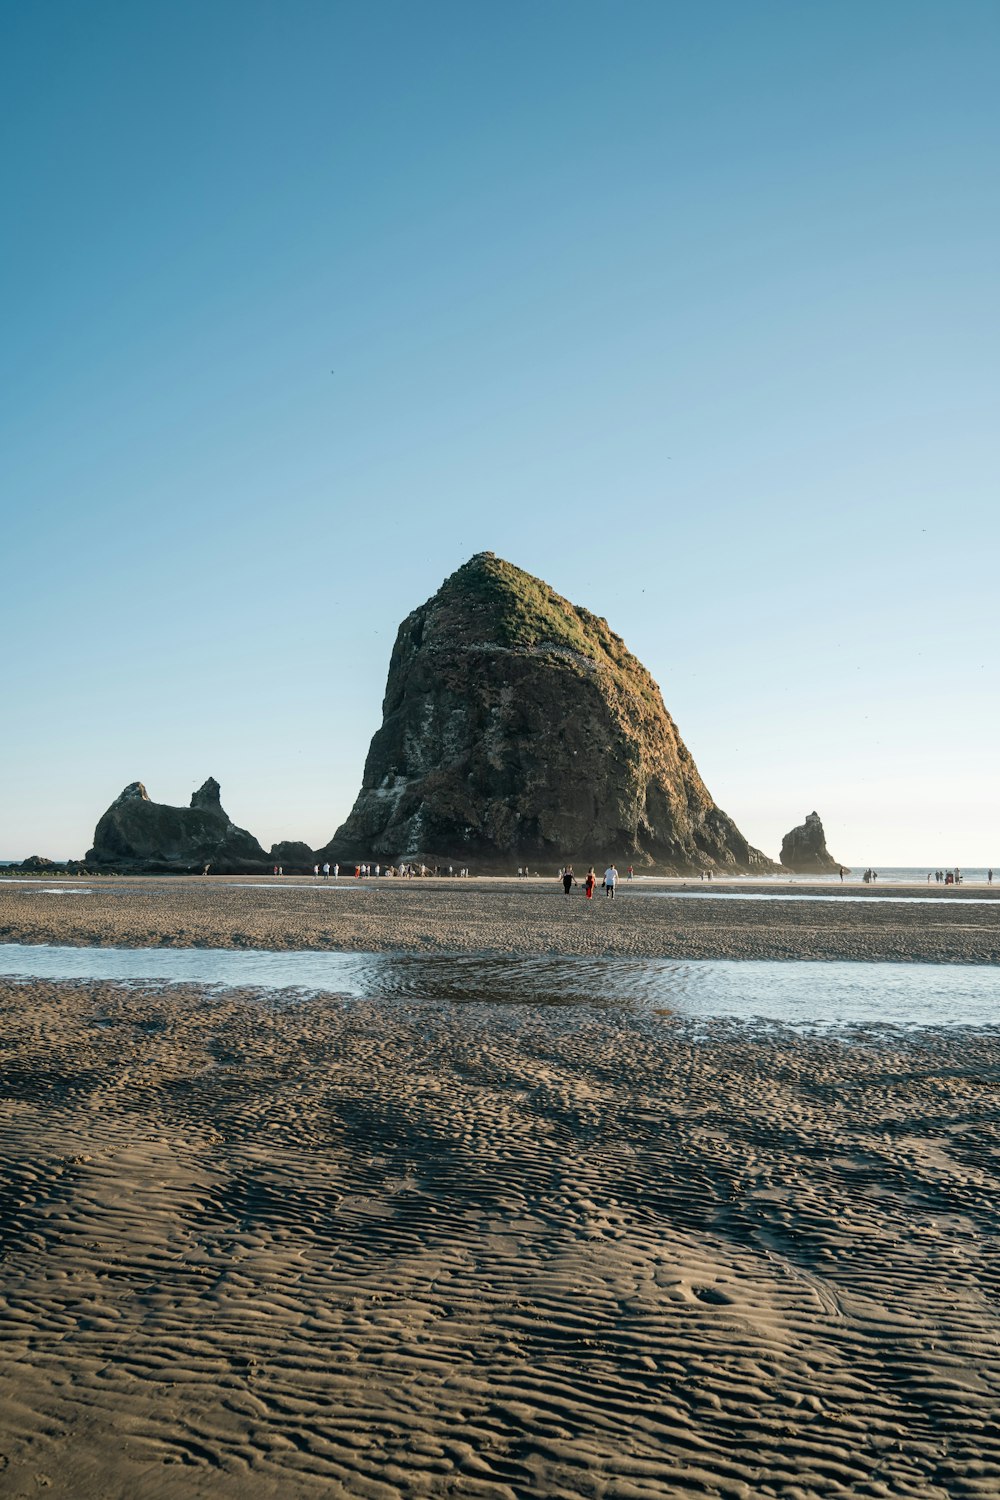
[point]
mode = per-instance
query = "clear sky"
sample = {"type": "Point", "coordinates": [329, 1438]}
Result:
{"type": "Point", "coordinates": [690, 309]}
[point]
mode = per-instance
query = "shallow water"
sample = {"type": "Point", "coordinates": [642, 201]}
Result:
{"type": "Point", "coordinates": [46, 887]}
{"type": "Point", "coordinates": [707, 894]}
{"type": "Point", "coordinates": [887, 874]}
{"type": "Point", "coordinates": [795, 993]}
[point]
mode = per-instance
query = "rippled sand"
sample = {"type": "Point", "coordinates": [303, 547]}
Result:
{"type": "Point", "coordinates": [406, 1250]}
{"type": "Point", "coordinates": [495, 916]}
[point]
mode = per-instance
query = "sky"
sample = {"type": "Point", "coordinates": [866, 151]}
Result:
{"type": "Point", "coordinates": [689, 309]}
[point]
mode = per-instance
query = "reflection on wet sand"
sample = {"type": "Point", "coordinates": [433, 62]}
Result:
{"type": "Point", "coordinates": [794, 993]}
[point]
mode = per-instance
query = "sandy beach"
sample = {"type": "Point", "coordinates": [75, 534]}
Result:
{"type": "Point", "coordinates": [319, 1247]}
{"type": "Point", "coordinates": [510, 917]}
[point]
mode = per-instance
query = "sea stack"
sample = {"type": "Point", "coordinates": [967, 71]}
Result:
{"type": "Point", "coordinates": [804, 850]}
{"type": "Point", "coordinates": [518, 728]}
{"type": "Point", "coordinates": [141, 835]}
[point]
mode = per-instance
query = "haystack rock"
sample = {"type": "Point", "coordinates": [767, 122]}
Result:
{"type": "Point", "coordinates": [804, 849]}
{"type": "Point", "coordinates": [138, 834]}
{"type": "Point", "coordinates": [517, 727]}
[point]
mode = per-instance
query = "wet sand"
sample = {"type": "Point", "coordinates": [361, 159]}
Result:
{"type": "Point", "coordinates": [263, 1248]}
{"type": "Point", "coordinates": [329, 1249]}
{"type": "Point", "coordinates": [503, 917]}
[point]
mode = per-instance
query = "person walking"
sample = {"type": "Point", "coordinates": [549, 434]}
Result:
{"type": "Point", "coordinates": [567, 879]}
{"type": "Point", "coordinates": [589, 883]}
{"type": "Point", "coordinates": [326, 871]}
{"type": "Point", "coordinates": [610, 880]}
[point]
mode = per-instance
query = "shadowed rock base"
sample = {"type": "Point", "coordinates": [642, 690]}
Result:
{"type": "Point", "coordinates": [137, 834]}
{"type": "Point", "coordinates": [804, 849]}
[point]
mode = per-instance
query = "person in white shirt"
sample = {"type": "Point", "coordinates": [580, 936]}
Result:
{"type": "Point", "coordinates": [610, 880]}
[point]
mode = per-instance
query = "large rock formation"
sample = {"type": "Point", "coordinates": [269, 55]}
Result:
{"type": "Point", "coordinates": [518, 727]}
{"type": "Point", "coordinates": [804, 849]}
{"type": "Point", "coordinates": [138, 834]}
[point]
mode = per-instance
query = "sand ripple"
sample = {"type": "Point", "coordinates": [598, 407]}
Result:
{"type": "Point", "coordinates": [418, 1251]}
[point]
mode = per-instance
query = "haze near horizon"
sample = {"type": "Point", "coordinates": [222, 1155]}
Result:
{"type": "Point", "coordinates": [688, 312]}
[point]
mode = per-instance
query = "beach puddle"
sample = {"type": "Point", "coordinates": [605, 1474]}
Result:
{"type": "Point", "coordinates": [812, 994]}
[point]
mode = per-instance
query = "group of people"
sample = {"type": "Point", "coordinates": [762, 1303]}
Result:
{"type": "Point", "coordinates": [366, 871]}
{"type": "Point", "coordinates": [609, 883]}
{"type": "Point", "coordinates": [869, 877]}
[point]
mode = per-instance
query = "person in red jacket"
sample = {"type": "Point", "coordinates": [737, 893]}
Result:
{"type": "Point", "coordinates": [589, 883]}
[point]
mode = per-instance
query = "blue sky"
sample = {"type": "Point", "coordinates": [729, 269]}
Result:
{"type": "Point", "coordinates": [689, 309]}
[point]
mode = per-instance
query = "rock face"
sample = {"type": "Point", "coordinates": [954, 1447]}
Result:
{"type": "Point", "coordinates": [804, 849]}
{"type": "Point", "coordinates": [295, 858]}
{"type": "Point", "coordinates": [138, 834]}
{"type": "Point", "coordinates": [518, 726]}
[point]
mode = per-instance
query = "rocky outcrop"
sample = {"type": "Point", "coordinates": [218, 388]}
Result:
{"type": "Point", "coordinates": [294, 858]}
{"type": "Point", "coordinates": [141, 835]}
{"type": "Point", "coordinates": [804, 850]}
{"type": "Point", "coordinates": [517, 726]}
{"type": "Point", "coordinates": [40, 864]}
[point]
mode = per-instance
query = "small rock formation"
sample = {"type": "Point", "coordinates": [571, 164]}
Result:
{"type": "Point", "coordinates": [138, 834]}
{"type": "Point", "coordinates": [518, 727]}
{"type": "Point", "coordinates": [39, 862]}
{"type": "Point", "coordinates": [294, 858]}
{"type": "Point", "coordinates": [804, 850]}
{"type": "Point", "coordinates": [208, 797]}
